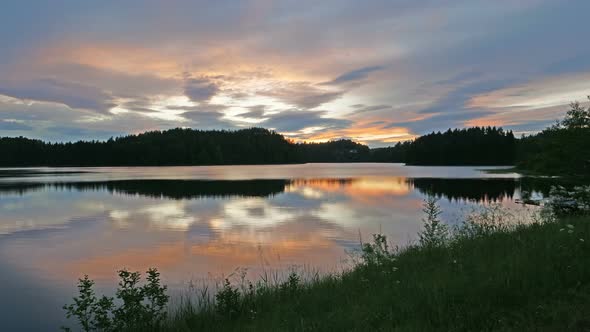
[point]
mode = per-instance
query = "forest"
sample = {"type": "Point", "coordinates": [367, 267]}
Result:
{"type": "Point", "coordinates": [179, 147]}
{"type": "Point", "coordinates": [470, 146]}
{"type": "Point", "coordinates": [559, 149]}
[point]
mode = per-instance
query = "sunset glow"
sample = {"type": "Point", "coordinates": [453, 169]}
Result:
{"type": "Point", "coordinates": [373, 72]}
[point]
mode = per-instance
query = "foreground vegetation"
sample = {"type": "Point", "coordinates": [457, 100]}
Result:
{"type": "Point", "coordinates": [526, 279]}
{"type": "Point", "coordinates": [489, 274]}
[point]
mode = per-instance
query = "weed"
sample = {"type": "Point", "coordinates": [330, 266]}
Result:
{"type": "Point", "coordinates": [435, 232]}
{"type": "Point", "coordinates": [228, 300]}
{"type": "Point", "coordinates": [141, 307]}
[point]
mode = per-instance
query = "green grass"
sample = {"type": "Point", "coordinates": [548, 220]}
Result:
{"type": "Point", "coordinates": [528, 278]}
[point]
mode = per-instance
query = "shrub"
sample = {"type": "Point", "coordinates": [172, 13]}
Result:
{"type": "Point", "coordinates": [435, 232]}
{"type": "Point", "coordinates": [141, 307]}
{"type": "Point", "coordinates": [92, 313]}
{"type": "Point", "coordinates": [376, 253]}
{"type": "Point", "coordinates": [228, 300]}
{"type": "Point", "coordinates": [487, 220]}
{"type": "Point", "coordinates": [573, 201]}
{"type": "Point", "coordinates": [292, 284]}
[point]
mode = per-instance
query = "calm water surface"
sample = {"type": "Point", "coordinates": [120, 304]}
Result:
{"type": "Point", "coordinates": [199, 223]}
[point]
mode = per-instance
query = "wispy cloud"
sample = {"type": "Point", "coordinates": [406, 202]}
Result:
{"type": "Point", "coordinates": [72, 94]}
{"type": "Point", "coordinates": [200, 89]}
{"type": "Point", "coordinates": [70, 70]}
{"type": "Point", "coordinates": [296, 120]}
{"type": "Point", "coordinates": [302, 94]}
{"type": "Point", "coordinates": [354, 76]}
{"type": "Point", "coordinates": [14, 126]}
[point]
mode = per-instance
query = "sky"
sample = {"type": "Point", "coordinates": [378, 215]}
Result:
{"type": "Point", "coordinates": [375, 71]}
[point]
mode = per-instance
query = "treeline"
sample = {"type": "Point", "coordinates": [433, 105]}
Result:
{"type": "Point", "coordinates": [179, 147]}
{"type": "Point", "coordinates": [470, 146]}
{"type": "Point", "coordinates": [562, 149]}
{"type": "Point", "coordinates": [333, 151]}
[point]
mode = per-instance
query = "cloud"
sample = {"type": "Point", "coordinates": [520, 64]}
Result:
{"type": "Point", "coordinates": [364, 108]}
{"type": "Point", "coordinates": [119, 84]}
{"type": "Point", "coordinates": [57, 122]}
{"type": "Point", "coordinates": [197, 108]}
{"type": "Point", "coordinates": [461, 77]}
{"type": "Point", "coordinates": [200, 90]}
{"type": "Point", "coordinates": [458, 97]}
{"type": "Point", "coordinates": [521, 117]}
{"type": "Point", "coordinates": [448, 65]}
{"type": "Point", "coordinates": [443, 121]}
{"type": "Point", "coordinates": [256, 112]}
{"type": "Point", "coordinates": [376, 133]}
{"type": "Point", "coordinates": [354, 76]}
{"type": "Point", "coordinates": [208, 118]}
{"type": "Point", "coordinates": [296, 120]}
{"type": "Point", "coordinates": [83, 133]}
{"type": "Point", "coordinates": [14, 126]}
{"type": "Point", "coordinates": [551, 91]}
{"type": "Point", "coordinates": [302, 95]}
{"type": "Point", "coordinates": [72, 94]}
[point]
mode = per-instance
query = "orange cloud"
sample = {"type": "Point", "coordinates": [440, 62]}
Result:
{"type": "Point", "coordinates": [365, 133]}
{"type": "Point", "coordinates": [518, 116]}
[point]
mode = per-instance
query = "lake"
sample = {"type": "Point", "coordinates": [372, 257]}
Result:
{"type": "Point", "coordinates": [197, 224]}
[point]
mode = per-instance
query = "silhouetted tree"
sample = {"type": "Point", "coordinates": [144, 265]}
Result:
{"type": "Point", "coordinates": [470, 146]}
{"type": "Point", "coordinates": [179, 147]}
{"type": "Point", "coordinates": [560, 149]}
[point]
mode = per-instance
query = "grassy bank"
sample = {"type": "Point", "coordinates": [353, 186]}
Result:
{"type": "Point", "coordinates": [528, 278]}
{"type": "Point", "coordinates": [489, 275]}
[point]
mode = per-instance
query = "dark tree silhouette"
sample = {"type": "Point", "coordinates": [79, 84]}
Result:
{"type": "Point", "coordinates": [179, 147]}
{"type": "Point", "coordinates": [471, 146]}
{"type": "Point", "coordinates": [560, 149]}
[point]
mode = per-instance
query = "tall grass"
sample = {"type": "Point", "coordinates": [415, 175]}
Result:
{"type": "Point", "coordinates": [486, 275]}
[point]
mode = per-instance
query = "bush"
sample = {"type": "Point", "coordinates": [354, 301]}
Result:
{"type": "Point", "coordinates": [488, 220]}
{"type": "Point", "coordinates": [435, 233]}
{"type": "Point", "coordinates": [565, 202]}
{"type": "Point", "coordinates": [228, 300]}
{"type": "Point", "coordinates": [376, 253]}
{"type": "Point", "coordinates": [141, 307]}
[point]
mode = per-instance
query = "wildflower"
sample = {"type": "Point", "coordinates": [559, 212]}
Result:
{"type": "Point", "coordinates": [562, 229]}
{"type": "Point", "coordinates": [454, 261]}
{"type": "Point", "coordinates": [570, 226]}
{"type": "Point", "coordinates": [581, 240]}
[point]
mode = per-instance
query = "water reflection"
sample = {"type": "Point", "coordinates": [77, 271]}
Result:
{"type": "Point", "coordinates": [477, 190]}
{"type": "Point", "coordinates": [171, 189]}
{"type": "Point", "coordinates": [54, 229]}
{"type": "Point", "coordinates": [31, 206]}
